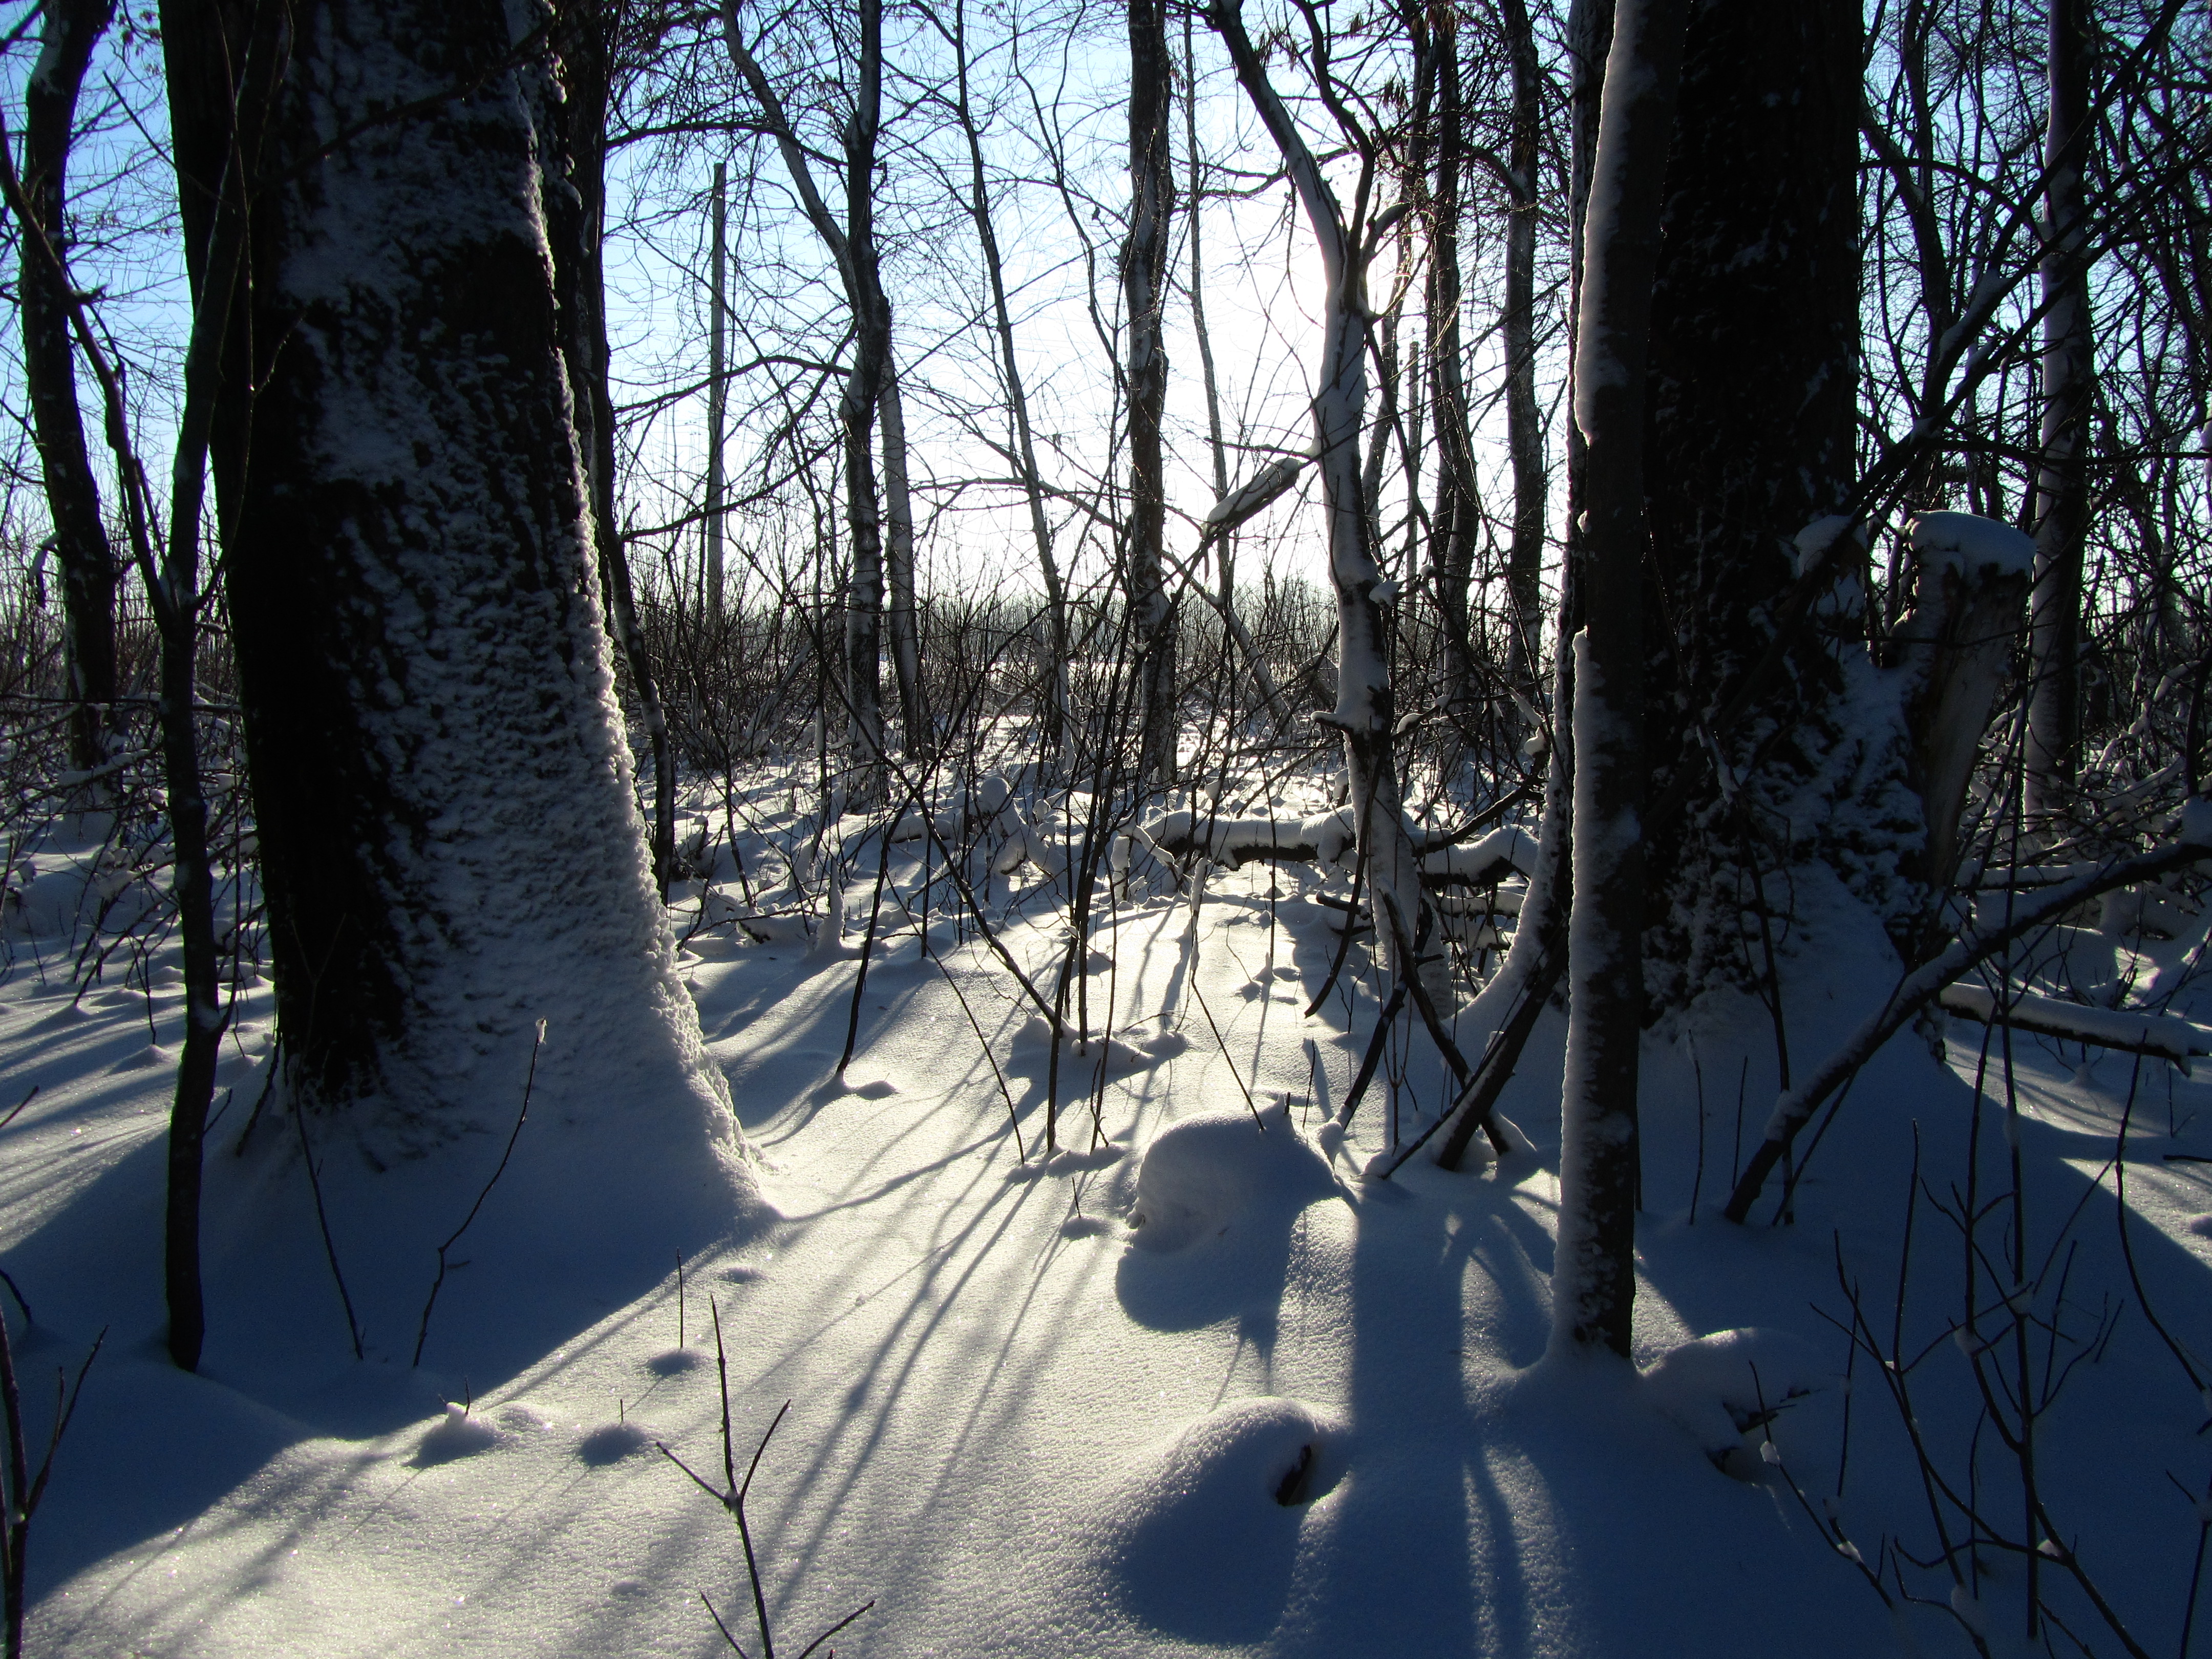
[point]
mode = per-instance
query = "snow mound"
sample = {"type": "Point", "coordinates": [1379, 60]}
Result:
{"type": "Point", "coordinates": [458, 1436]}
{"type": "Point", "coordinates": [1200, 1536]}
{"type": "Point", "coordinates": [1967, 542]}
{"type": "Point", "coordinates": [2201, 1226]}
{"type": "Point", "coordinates": [610, 1443]}
{"type": "Point", "coordinates": [1199, 1175]}
{"type": "Point", "coordinates": [1722, 1386]}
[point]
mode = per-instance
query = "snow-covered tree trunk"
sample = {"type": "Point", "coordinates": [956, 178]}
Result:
{"type": "Point", "coordinates": [450, 845]}
{"type": "Point", "coordinates": [2062, 508]}
{"type": "Point", "coordinates": [901, 620]}
{"type": "Point", "coordinates": [81, 548]}
{"type": "Point", "coordinates": [1144, 291]}
{"type": "Point", "coordinates": [1593, 1276]}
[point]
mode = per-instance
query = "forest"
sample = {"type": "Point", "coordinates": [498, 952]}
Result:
{"type": "Point", "coordinates": [1282, 827]}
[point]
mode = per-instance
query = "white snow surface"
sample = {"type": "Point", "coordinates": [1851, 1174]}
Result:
{"type": "Point", "coordinates": [1020, 1425]}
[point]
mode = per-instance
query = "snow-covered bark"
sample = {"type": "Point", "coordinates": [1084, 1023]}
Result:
{"type": "Point", "coordinates": [1594, 1277]}
{"type": "Point", "coordinates": [80, 537]}
{"type": "Point", "coordinates": [1145, 292]}
{"type": "Point", "coordinates": [450, 844]}
{"type": "Point", "coordinates": [1366, 707]}
{"type": "Point", "coordinates": [2062, 508]}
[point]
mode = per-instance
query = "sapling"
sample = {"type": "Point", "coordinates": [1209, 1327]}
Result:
{"type": "Point", "coordinates": [732, 1497]}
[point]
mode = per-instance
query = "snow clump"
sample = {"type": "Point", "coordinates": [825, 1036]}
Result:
{"type": "Point", "coordinates": [1722, 1387]}
{"type": "Point", "coordinates": [1199, 1175]}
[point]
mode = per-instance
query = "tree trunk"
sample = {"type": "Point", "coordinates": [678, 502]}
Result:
{"type": "Point", "coordinates": [979, 209]}
{"type": "Point", "coordinates": [1454, 524]}
{"type": "Point", "coordinates": [1524, 421]}
{"type": "Point", "coordinates": [1593, 1277]}
{"type": "Point", "coordinates": [1144, 290]}
{"type": "Point", "coordinates": [585, 41]}
{"type": "Point", "coordinates": [1750, 426]}
{"type": "Point", "coordinates": [1224, 546]}
{"type": "Point", "coordinates": [81, 547]}
{"type": "Point", "coordinates": [1366, 710]}
{"type": "Point", "coordinates": [2062, 514]}
{"type": "Point", "coordinates": [452, 831]}
{"type": "Point", "coordinates": [898, 520]}
{"type": "Point", "coordinates": [718, 393]}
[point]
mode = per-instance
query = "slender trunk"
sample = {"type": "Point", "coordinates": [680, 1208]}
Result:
{"type": "Point", "coordinates": [1594, 1281]}
{"type": "Point", "coordinates": [2061, 496]}
{"type": "Point", "coordinates": [853, 246]}
{"type": "Point", "coordinates": [898, 523]}
{"type": "Point", "coordinates": [718, 313]}
{"type": "Point", "coordinates": [585, 44]}
{"type": "Point", "coordinates": [979, 209]}
{"type": "Point", "coordinates": [1525, 425]}
{"type": "Point", "coordinates": [1365, 710]}
{"type": "Point", "coordinates": [1454, 524]}
{"type": "Point", "coordinates": [1224, 546]}
{"type": "Point", "coordinates": [86, 562]}
{"type": "Point", "coordinates": [1144, 289]}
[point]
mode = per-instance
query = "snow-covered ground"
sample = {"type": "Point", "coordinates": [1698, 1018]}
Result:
{"type": "Point", "coordinates": [1053, 1404]}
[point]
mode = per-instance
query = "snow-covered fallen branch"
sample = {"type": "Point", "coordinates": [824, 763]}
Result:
{"type": "Point", "coordinates": [1920, 987]}
{"type": "Point", "coordinates": [2166, 1036]}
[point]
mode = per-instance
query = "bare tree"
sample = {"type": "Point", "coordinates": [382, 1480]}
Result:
{"type": "Point", "coordinates": [1145, 292]}
{"type": "Point", "coordinates": [71, 30]}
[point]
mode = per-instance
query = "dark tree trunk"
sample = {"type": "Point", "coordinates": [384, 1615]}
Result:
{"type": "Point", "coordinates": [586, 40]}
{"type": "Point", "coordinates": [451, 847]}
{"type": "Point", "coordinates": [1457, 520]}
{"type": "Point", "coordinates": [203, 49]}
{"type": "Point", "coordinates": [1144, 290]}
{"type": "Point", "coordinates": [82, 552]}
{"type": "Point", "coordinates": [1754, 331]}
{"type": "Point", "coordinates": [2062, 508]}
{"type": "Point", "coordinates": [1524, 421]}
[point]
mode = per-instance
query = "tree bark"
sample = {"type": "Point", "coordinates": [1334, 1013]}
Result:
{"type": "Point", "coordinates": [81, 551]}
{"type": "Point", "coordinates": [1144, 290]}
{"type": "Point", "coordinates": [1594, 1279]}
{"type": "Point", "coordinates": [1524, 422]}
{"type": "Point", "coordinates": [2054, 715]}
{"type": "Point", "coordinates": [1455, 523]}
{"type": "Point", "coordinates": [585, 39]}
{"type": "Point", "coordinates": [1751, 426]}
{"type": "Point", "coordinates": [453, 828]}
{"type": "Point", "coordinates": [903, 619]}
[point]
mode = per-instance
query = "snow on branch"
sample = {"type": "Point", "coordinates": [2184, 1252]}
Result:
{"type": "Point", "coordinates": [2167, 1036]}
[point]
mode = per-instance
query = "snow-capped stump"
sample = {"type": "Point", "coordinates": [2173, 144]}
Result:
{"type": "Point", "coordinates": [1202, 1533]}
{"type": "Point", "coordinates": [458, 1434]}
{"type": "Point", "coordinates": [1200, 1175]}
{"type": "Point", "coordinates": [1726, 1385]}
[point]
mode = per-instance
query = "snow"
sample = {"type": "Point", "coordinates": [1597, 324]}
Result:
{"type": "Point", "coordinates": [1019, 1411]}
{"type": "Point", "coordinates": [1963, 541]}
{"type": "Point", "coordinates": [1201, 1176]}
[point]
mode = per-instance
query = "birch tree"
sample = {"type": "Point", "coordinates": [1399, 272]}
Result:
{"type": "Point", "coordinates": [1365, 713]}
